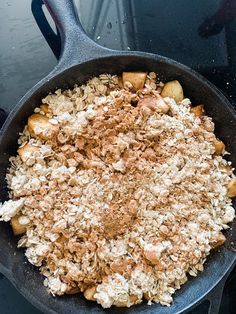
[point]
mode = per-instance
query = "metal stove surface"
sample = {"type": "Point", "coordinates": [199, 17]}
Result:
{"type": "Point", "coordinates": [200, 34]}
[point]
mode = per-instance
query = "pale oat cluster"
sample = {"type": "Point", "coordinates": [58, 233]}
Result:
{"type": "Point", "coordinates": [119, 198]}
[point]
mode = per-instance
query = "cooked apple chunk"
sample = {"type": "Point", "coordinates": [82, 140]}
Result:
{"type": "Point", "coordinates": [17, 227]}
{"type": "Point", "coordinates": [219, 147]}
{"type": "Point", "coordinates": [137, 79]}
{"type": "Point", "coordinates": [232, 188]}
{"type": "Point", "coordinates": [26, 151]}
{"type": "Point", "coordinates": [219, 240]}
{"type": "Point", "coordinates": [154, 103]}
{"type": "Point", "coordinates": [198, 110]}
{"type": "Point", "coordinates": [173, 89]}
{"type": "Point", "coordinates": [44, 108]}
{"type": "Point", "coordinates": [40, 126]}
{"type": "Point", "coordinates": [89, 293]}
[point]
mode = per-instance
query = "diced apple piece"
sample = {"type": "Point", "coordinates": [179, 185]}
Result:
{"type": "Point", "coordinates": [219, 240]}
{"type": "Point", "coordinates": [154, 103]}
{"type": "Point", "coordinates": [39, 126]}
{"type": "Point", "coordinates": [232, 188]}
{"type": "Point", "coordinates": [134, 299]}
{"type": "Point", "coordinates": [44, 108]}
{"type": "Point", "coordinates": [198, 110]}
{"type": "Point", "coordinates": [219, 147]}
{"type": "Point", "coordinates": [26, 151]}
{"type": "Point", "coordinates": [174, 90]}
{"type": "Point", "coordinates": [147, 295]}
{"type": "Point", "coordinates": [17, 228]}
{"type": "Point", "coordinates": [89, 293]}
{"type": "Point", "coordinates": [137, 79]}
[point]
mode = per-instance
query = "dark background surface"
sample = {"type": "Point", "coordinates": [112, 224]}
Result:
{"type": "Point", "coordinates": [198, 33]}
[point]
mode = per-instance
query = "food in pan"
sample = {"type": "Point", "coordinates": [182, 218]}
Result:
{"type": "Point", "coordinates": [119, 189]}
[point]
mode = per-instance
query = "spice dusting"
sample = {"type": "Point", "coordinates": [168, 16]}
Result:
{"type": "Point", "coordinates": [119, 190]}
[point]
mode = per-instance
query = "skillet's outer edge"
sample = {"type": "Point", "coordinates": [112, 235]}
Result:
{"type": "Point", "coordinates": [58, 70]}
{"type": "Point", "coordinates": [58, 8]}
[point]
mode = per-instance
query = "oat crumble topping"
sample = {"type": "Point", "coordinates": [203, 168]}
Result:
{"type": "Point", "coordinates": [121, 192]}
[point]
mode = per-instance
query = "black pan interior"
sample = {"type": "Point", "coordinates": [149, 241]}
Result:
{"type": "Point", "coordinates": [24, 276]}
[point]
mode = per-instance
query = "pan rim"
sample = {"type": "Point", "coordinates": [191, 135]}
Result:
{"type": "Point", "coordinates": [61, 71]}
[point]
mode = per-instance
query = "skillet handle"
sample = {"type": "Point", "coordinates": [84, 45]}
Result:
{"type": "Point", "coordinates": [53, 39]}
{"type": "Point", "coordinates": [76, 46]}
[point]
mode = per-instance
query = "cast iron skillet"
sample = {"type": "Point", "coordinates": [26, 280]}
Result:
{"type": "Point", "coordinates": [81, 59]}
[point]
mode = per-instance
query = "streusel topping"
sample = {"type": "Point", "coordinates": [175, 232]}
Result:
{"type": "Point", "coordinates": [120, 191]}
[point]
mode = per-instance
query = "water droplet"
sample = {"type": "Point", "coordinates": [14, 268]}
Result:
{"type": "Point", "coordinates": [109, 25]}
